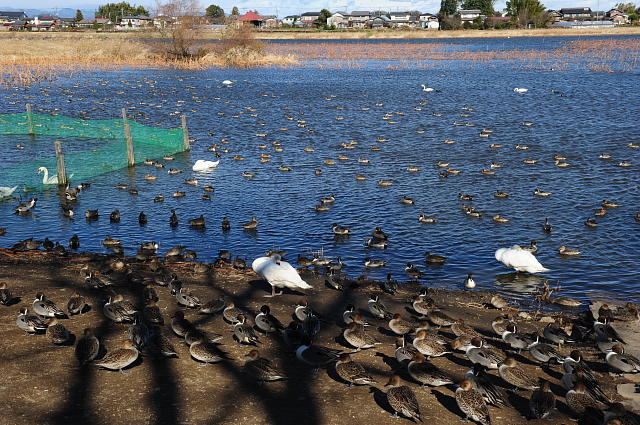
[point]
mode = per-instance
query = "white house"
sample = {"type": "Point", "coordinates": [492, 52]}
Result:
{"type": "Point", "coordinates": [359, 18]}
{"type": "Point", "coordinates": [136, 22]}
{"type": "Point", "coordinates": [469, 15]}
{"type": "Point", "coordinates": [308, 18]}
{"type": "Point", "coordinates": [429, 21]}
{"type": "Point", "coordinates": [339, 20]}
{"type": "Point", "coordinates": [290, 20]}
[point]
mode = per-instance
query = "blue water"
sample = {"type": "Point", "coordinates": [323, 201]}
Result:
{"type": "Point", "coordinates": [598, 113]}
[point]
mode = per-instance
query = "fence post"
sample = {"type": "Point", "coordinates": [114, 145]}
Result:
{"type": "Point", "coordinates": [30, 119]}
{"type": "Point", "coordinates": [185, 133]}
{"type": "Point", "coordinates": [62, 172]}
{"type": "Point", "coordinates": [127, 134]}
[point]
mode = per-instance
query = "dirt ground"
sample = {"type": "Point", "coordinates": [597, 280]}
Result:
{"type": "Point", "coordinates": [42, 384]}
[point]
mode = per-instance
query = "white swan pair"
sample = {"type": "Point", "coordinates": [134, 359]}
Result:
{"type": "Point", "coordinates": [520, 260]}
{"type": "Point", "coordinates": [204, 165]}
{"type": "Point", "coordinates": [278, 273]}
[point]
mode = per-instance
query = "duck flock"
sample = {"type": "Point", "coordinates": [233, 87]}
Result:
{"type": "Point", "coordinates": [421, 331]}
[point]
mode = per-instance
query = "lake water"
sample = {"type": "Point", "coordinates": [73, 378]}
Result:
{"type": "Point", "coordinates": [596, 113]}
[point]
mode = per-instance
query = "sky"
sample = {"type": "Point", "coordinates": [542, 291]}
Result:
{"type": "Point", "coordinates": [291, 7]}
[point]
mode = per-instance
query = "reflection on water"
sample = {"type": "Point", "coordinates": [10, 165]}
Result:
{"type": "Point", "coordinates": [300, 108]}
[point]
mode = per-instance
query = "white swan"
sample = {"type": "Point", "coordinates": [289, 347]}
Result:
{"type": "Point", "coordinates": [49, 180]}
{"type": "Point", "coordinates": [425, 88]}
{"type": "Point", "coordinates": [204, 165]}
{"type": "Point", "coordinates": [519, 259]}
{"type": "Point", "coordinates": [278, 273]}
{"type": "Point", "coordinates": [7, 191]}
{"type": "Point", "coordinates": [227, 82]}
{"type": "Point", "coordinates": [520, 90]}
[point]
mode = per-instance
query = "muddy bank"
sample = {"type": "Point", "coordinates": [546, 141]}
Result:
{"type": "Point", "coordinates": [42, 383]}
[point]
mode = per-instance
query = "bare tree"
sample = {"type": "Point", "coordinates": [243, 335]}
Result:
{"type": "Point", "coordinates": [180, 20]}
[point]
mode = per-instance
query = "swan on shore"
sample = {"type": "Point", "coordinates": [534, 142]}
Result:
{"type": "Point", "coordinates": [278, 273]}
{"type": "Point", "coordinates": [203, 165]}
{"type": "Point", "coordinates": [50, 180]}
{"type": "Point", "coordinates": [519, 259]}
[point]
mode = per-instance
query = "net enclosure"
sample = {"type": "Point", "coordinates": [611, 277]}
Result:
{"type": "Point", "coordinates": [90, 147]}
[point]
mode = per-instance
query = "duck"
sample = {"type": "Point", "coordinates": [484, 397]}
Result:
{"type": "Point", "coordinates": [29, 323]}
{"type": "Point", "coordinates": [544, 353]}
{"type": "Point", "coordinates": [469, 283]}
{"type": "Point", "coordinates": [6, 297]}
{"type": "Point", "coordinates": [500, 194]}
{"type": "Point", "coordinates": [266, 322]}
{"type": "Point", "coordinates": [340, 230]}
{"type": "Point", "coordinates": [515, 341]}
{"type": "Point", "coordinates": [532, 247]}
{"type": "Point", "coordinates": [376, 243]}
{"type": "Point", "coordinates": [315, 355]}
{"type": "Point", "coordinates": [187, 299]}
{"type": "Point", "coordinates": [251, 225]}
{"type": "Point", "coordinates": [426, 373]}
{"type": "Point", "coordinates": [91, 215]}
{"type": "Point", "coordinates": [24, 208]}
{"type": "Point", "coordinates": [278, 273]}
{"type": "Point", "coordinates": [357, 337]}
{"type": "Point", "coordinates": [569, 252]}
{"type": "Point", "coordinates": [352, 372]}
{"type": "Point", "coordinates": [57, 333]}
{"type": "Point", "coordinates": [205, 351]}
{"type": "Point", "coordinates": [500, 219]}
{"type": "Point", "coordinates": [618, 360]}
{"type": "Point", "coordinates": [400, 326]}
{"type": "Point", "coordinates": [542, 193]}
{"type": "Point", "coordinates": [158, 198]}
{"type": "Point", "coordinates": [328, 199]}
{"type": "Point", "coordinates": [439, 318]}
{"type": "Point", "coordinates": [402, 399]}
{"type": "Point", "coordinates": [49, 180]}
{"type": "Point", "coordinates": [197, 222]}
{"type": "Point", "coordinates": [173, 219]}
{"type": "Point", "coordinates": [513, 374]}
{"type": "Point", "coordinates": [178, 194]}
{"type": "Point", "coordinates": [373, 264]}
{"type": "Point", "coordinates": [142, 218]}
{"type": "Point", "coordinates": [262, 369]}
{"type": "Point", "coordinates": [76, 304]}
{"type": "Point", "coordinates": [429, 346]}
{"type": "Point", "coordinates": [114, 217]}
{"type": "Point", "coordinates": [46, 308]}
{"type": "Point", "coordinates": [499, 302]}
{"type": "Point", "coordinates": [180, 325]}
{"type": "Point", "coordinates": [421, 306]}
{"type": "Point", "coordinates": [460, 328]}
{"type": "Point", "coordinates": [377, 308]}
{"type": "Point", "coordinates": [244, 332]}
{"type": "Point", "coordinates": [423, 218]}
{"type": "Point", "coordinates": [481, 382]}
{"type": "Point", "coordinates": [580, 401]}
{"type": "Point", "coordinates": [471, 403]}
{"type": "Point", "coordinates": [120, 358]}
{"type": "Point", "coordinates": [87, 347]}
{"type": "Point", "coordinates": [609, 204]}
{"type": "Point", "coordinates": [413, 272]}
{"type": "Point", "coordinates": [434, 258]}
{"type": "Point", "coordinates": [546, 226]}
{"type": "Point", "coordinates": [589, 222]}
{"type": "Point", "coordinates": [407, 200]}
{"type": "Point", "coordinates": [204, 165]}
{"type": "Point", "coordinates": [477, 353]}
{"type": "Point", "coordinates": [191, 182]}
{"type": "Point", "coordinates": [520, 260]}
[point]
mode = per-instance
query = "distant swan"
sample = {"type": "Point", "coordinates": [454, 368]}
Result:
{"type": "Point", "coordinates": [7, 191]}
{"type": "Point", "coordinates": [520, 90]}
{"type": "Point", "coordinates": [519, 259]}
{"type": "Point", "coordinates": [227, 82]}
{"type": "Point", "coordinates": [49, 180]}
{"type": "Point", "coordinates": [425, 88]}
{"type": "Point", "coordinates": [278, 273]}
{"type": "Point", "coordinates": [203, 165]}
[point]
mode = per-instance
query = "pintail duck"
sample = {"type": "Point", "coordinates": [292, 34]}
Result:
{"type": "Point", "coordinates": [434, 258]}
{"type": "Point", "coordinates": [477, 353]}
{"type": "Point", "coordinates": [563, 250]}
{"type": "Point", "coordinates": [6, 297]}
{"type": "Point", "coordinates": [195, 335]}
{"type": "Point", "coordinates": [76, 304]}
{"type": "Point", "coordinates": [439, 318]}
{"type": "Point", "coordinates": [513, 373]}
{"type": "Point", "coordinates": [262, 369]}
{"type": "Point", "coordinates": [356, 336]}
{"type": "Point", "coordinates": [120, 358]}
{"type": "Point", "coordinates": [91, 215]}
{"type": "Point", "coordinates": [244, 332]}
{"type": "Point", "coordinates": [87, 347]}
{"type": "Point", "coordinates": [251, 225]}
{"type": "Point", "coordinates": [57, 332]}
{"type": "Point", "coordinates": [226, 224]}
{"type": "Point", "coordinates": [116, 311]}
{"type": "Point", "coordinates": [500, 323]}
{"type": "Point", "coordinates": [423, 218]}
{"type": "Point", "coordinates": [472, 403]}
{"type": "Point", "coordinates": [340, 230]}
{"type": "Point", "coordinates": [376, 243]}
{"type": "Point", "coordinates": [46, 308]}
{"type": "Point", "coordinates": [481, 382]}
{"type": "Point", "coordinates": [213, 306]}
{"type": "Point", "coordinates": [372, 264]}
{"type": "Point", "coordinates": [429, 346]}
{"type": "Point", "coordinates": [404, 352]}
{"type": "Point", "coordinates": [609, 204]}
{"type": "Point", "coordinates": [579, 400]}
{"type": "Point", "coordinates": [412, 271]}
{"type": "Point", "coordinates": [187, 299]}
{"type": "Point", "coordinates": [605, 331]}
{"type": "Point", "coordinates": [426, 373]}
{"type": "Point", "coordinates": [159, 198]}
{"type": "Point", "coordinates": [152, 313]}
{"type": "Point", "coordinates": [544, 353]}
{"type": "Point", "coordinates": [350, 315]}
{"type": "Point", "coordinates": [352, 372]}
{"type": "Point", "coordinates": [460, 328]}
{"type": "Point", "coordinates": [539, 192]}
{"type": "Point", "coordinates": [25, 207]}
{"type": "Point", "coordinates": [400, 326]}
{"type": "Point", "coordinates": [499, 302]}
{"type": "Point", "coordinates": [28, 322]}
{"type": "Point", "coordinates": [206, 352]}
{"type": "Point", "coordinates": [316, 355]}
{"type": "Point", "coordinates": [421, 306]}
{"type": "Point", "coordinates": [197, 222]}
{"type": "Point", "coordinates": [377, 308]}
{"type": "Point", "coordinates": [618, 360]}
{"type": "Point", "coordinates": [469, 283]}
{"type": "Point", "coordinates": [407, 200]}
{"type": "Point", "coordinates": [516, 341]}
{"type": "Point", "coordinates": [231, 313]}
{"type": "Point", "coordinates": [402, 399]}
{"type": "Point", "coordinates": [556, 335]}
{"type": "Point", "coordinates": [542, 401]}
{"type": "Point", "coordinates": [328, 200]}
{"type": "Point", "coordinates": [266, 322]}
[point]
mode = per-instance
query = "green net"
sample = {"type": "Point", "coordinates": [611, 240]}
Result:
{"type": "Point", "coordinates": [96, 146]}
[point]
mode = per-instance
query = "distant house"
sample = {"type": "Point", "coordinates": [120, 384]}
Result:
{"type": "Point", "coordinates": [429, 21]}
{"type": "Point", "coordinates": [290, 20]}
{"type": "Point", "coordinates": [269, 21]}
{"type": "Point", "coordinates": [309, 18]}
{"type": "Point", "coordinates": [8, 18]}
{"type": "Point", "coordinates": [359, 18]}
{"type": "Point", "coordinates": [68, 22]}
{"type": "Point", "coordinates": [470, 15]}
{"type": "Point", "coordinates": [576, 13]}
{"type": "Point", "coordinates": [554, 15]}
{"type": "Point", "coordinates": [45, 23]}
{"type": "Point", "coordinates": [381, 21]}
{"type": "Point", "coordinates": [400, 17]}
{"type": "Point", "coordinates": [339, 20]}
{"type": "Point", "coordinates": [136, 22]}
{"type": "Point", "coordinates": [620, 19]}
{"type": "Point", "coordinates": [251, 18]}
{"type": "Point", "coordinates": [20, 25]}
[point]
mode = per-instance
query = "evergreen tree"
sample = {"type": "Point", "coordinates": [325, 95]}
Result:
{"type": "Point", "coordinates": [448, 7]}
{"type": "Point", "coordinates": [79, 17]}
{"type": "Point", "coordinates": [525, 11]}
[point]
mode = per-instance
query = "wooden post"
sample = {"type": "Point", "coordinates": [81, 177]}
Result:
{"type": "Point", "coordinates": [62, 172]}
{"type": "Point", "coordinates": [30, 119]}
{"type": "Point", "coordinates": [127, 134]}
{"type": "Point", "coordinates": [185, 133]}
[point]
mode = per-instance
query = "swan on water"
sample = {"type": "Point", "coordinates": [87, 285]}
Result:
{"type": "Point", "coordinates": [520, 90]}
{"type": "Point", "coordinates": [519, 259]}
{"type": "Point", "coordinates": [49, 180]}
{"type": "Point", "coordinates": [278, 273]}
{"type": "Point", "coordinates": [7, 191]}
{"type": "Point", "coordinates": [425, 88]}
{"type": "Point", "coordinates": [227, 82]}
{"type": "Point", "coordinates": [203, 165]}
